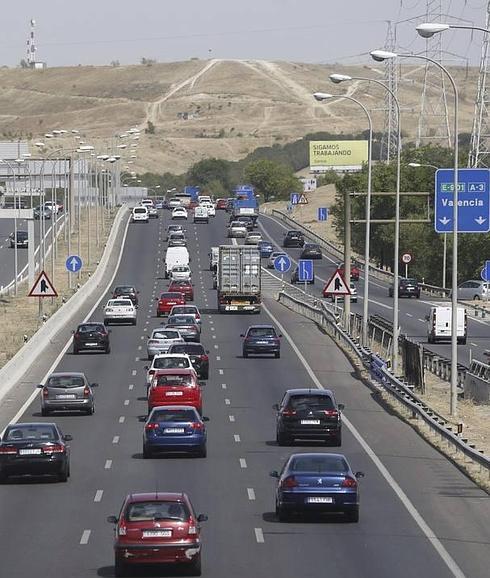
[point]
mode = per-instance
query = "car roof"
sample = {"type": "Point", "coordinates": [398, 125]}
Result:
{"type": "Point", "coordinates": [32, 424]}
{"type": "Point", "coordinates": [157, 496]}
{"type": "Point", "coordinates": [174, 407]}
{"type": "Point", "coordinates": [312, 391]}
{"type": "Point", "coordinates": [91, 323]}
{"type": "Point", "coordinates": [177, 371]}
{"type": "Point", "coordinates": [67, 374]}
{"type": "Point", "coordinates": [317, 454]}
{"type": "Point", "coordinates": [163, 355]}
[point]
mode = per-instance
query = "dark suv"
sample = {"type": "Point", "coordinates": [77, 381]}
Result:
{"type": "Point", "coordinates": [309, 414]}
{"type": "Point", "coordinates": [92, 336]}
{"type": "Point", "coordinates": [126, 291]}
{"type": "Point", "coordinates": [407, 288]}
{"type": "Point", "coordinates": [261, 339]}
{"type": "Point", "coordinates": [22, 239]}
{"type": "Point", "coordinates": [293, 239]}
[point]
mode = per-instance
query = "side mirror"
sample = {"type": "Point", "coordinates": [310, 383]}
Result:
{"type": "Point", "coordinates": [274, 474]}
{"type": "Point", "coordinates": [276, 406]}
{"type": "Point", "coordinates": [207, 351]}
{"type": "Point", "coordinates": [202, 518]}
{"type": "Point", "coordinates": [202, 384]}
{"type": "Point", "coordinates": [280, 334]}
{"type": "Point", "coordinates": [94, 385]}
{"type": "Point", "coordinates": [359, 474]}
{"type": "Point", "coordinates": [109, 331]}
{"type": "Point", "coordinates": [67, 438]}
{"type": "Point", "coordinates": [156, 298]}
{"type": "Point", "coordinates": [73, 332]}
{"type": "Point", "coordinates": [341, 406]}
{"type": "Point", "coordinates": [242, 335]}
{"type": "Point", "coordinates": [112, 519]}
{"type": "Point", "coordinates": [427, 318]}
{"type": "Point", "coordinates": [40, 386]}
{"type": "Point", "coordinates": [146, 367]}
{"type": "Point", "coordinates": [204, 418]}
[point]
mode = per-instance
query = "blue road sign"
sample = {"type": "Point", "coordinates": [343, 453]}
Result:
{"type": "Point", "coordinates": [73, 263]}
{"type": "Point", "coordinates": [305, 270]}
{"type": "Point", "coordinates": [282, 263]}
{"type": "Point", "coordinates": [294, 198]}
{"type": "Point", "coordinates": [322, 213]}
{"type": "Point", "coordinates": [485, 272]}
{"type": "Point", "coordinates": [473, 201]}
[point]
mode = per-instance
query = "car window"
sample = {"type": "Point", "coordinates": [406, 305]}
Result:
{"type": "Point", "coordinates": [174, 381]}
{"type": "Point", "coordinates": [181, 320]}
{"type": "Point", "coordinates": [261, 332]}
{"type": "Point", "coordinates": [319, 464]}
{"type": "Point", "coordinates": [91, 329]}
{"type": "Point", "coordinates": [299, 402]}
{"type": "Point", "coordinates": [65, 381]}
{"type": "Point", "coordinates": [165, 335]}
{"type": "Point", "coordinates": [120, 303]}
{"type": "Point", "coordinates": [31, 432]}
{"type": "Point", "coordinates": [171, 296]}
{"type": "Point", "coordinates": [124, 290]}
{"type": "Point", "coordinates": [146, 511]}
{"type": "Point", "coordinates": [171, 363]}
{"type": "Point", "coordinates": [169, 415]}
{"type": "Point", "coordinates": [189, 348]}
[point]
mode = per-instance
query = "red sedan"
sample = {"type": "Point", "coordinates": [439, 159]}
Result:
{"type": "Point", "coordinates": [175, 386]}
{"type": "Point", "coordinates": [157, 528]}
{"type": "Point", "coordinates": [354, 271]}
{"type": "Point", "coordinates": [221, 204]}
{"type": "Point", "coordinates": [184, 287]}
{"type": "Point", "coordinates": [167, 301]}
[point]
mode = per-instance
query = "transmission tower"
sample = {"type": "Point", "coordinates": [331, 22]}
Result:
{"type": "Point", "coordinates": [480, 133]}
{"type": "Point", "coordinates": [31, 46]}
{"type": "Point", "coordinates": [389, 141]}
{"type": "Point", "coordinates": [433, 119]}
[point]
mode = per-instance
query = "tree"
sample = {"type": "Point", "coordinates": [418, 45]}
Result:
{"type": "Point", "coordinates": [208, 171]}
{"type": "Point", "coordinates": [150, 129]}
{"type": "Point", "coordinates": [271, 179]}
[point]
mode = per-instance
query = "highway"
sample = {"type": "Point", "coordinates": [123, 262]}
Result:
{"type": "Point", "coordinates": [420, 516]}
{"type": "Point", "coordinates": [412, 311]}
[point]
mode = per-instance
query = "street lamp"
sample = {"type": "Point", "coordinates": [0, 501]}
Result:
{"type": "Point", "coordinates": [321, 96]}
{"type": "Point", "coordinates": [429, 29]}
{"type": "Point", "coordinates": [380, 56]}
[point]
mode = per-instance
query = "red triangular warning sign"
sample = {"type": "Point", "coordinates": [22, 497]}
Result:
{"type": "Point", "coordinates": [336, 285]}
{"type": "Point", "coordinates": [42, 287]}
{"type": "Point", "coordinates": [302, 200]}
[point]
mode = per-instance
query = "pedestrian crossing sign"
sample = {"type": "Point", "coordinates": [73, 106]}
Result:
{"type": "Point", "coordinates": [43, 287]}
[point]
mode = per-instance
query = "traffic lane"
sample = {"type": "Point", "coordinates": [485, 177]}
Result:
{"type": "Point", "coordinates": [253, 386]}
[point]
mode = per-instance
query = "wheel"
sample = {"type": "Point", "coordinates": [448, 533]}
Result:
{"type": "Point", "coordinates": [91, 411]}
{"type": "Point", "coordinates": [390, 293]}
{"type": "Point", "coordinates": [147, 453]}
{"type": "Point", "coordinates": [337, 440]}
{"type": "Point", "coordinates": [282, 439]}
{"type": "Point", "coordinates": [430, 339]}
{"type": "Point", "coordinates": [277, 355]}
{"type": "Point", "coordinates": [159, 314]}
{"type": "Point", "coordinates": [106, 321]}
{"type": "Point", "coordinates": [107, 350]}
{"type": "Point", "coordinates": [134, 321]}
{"type": "Point", "coordinates": [75, 350]}
{"type": "Point", "coordinates": [462, 341]}
{"type": "Point", "coordinates": [205, 375]}
{"type": "Point", "coordinates": [245, 355]}
{"type": "Point", "coordinates": [44, 412]}
{"type": "Point", "coordinates": [353, 515]}
{"type": "Point", "coordinates": [120, 568]}
{"type": "Point", "coordinates": [195, 566]}
{"type": "Point", "coordinates": [203, 452]}
{"type": "Point", "coordinates": [476, 298]}
{"type": "Point", "coordinates": [63, 476]}
{"type": "Point", "coordinates": [281, 514]}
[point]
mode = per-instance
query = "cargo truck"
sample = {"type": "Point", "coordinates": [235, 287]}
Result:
{"type": "Point", "coordinates": [245, 203]}
{"type": "Point", "coordinates": [238, 279]}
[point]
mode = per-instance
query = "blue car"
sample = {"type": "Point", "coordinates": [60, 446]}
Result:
{"type": "Point", "coordinates": [174, 428]}
{"type": "Point", "coordinates": [317, 482]}
{"type": "Point", "coordinates": [261, 339]}
{"type": "Point", "coordinates": [266, 249]}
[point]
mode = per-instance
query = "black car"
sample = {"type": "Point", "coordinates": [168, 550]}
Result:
{"type": "Point", "coordinates": [407, 288]}
{"type": "Point", "coordinates": [295, 277]}
{"type": "Point", "coordinates": [198, 355]}
{"type": "Point", "coordinates": [293, 239]}
{"type": "Point", "coordinates": [128, 291]}
{"type": "Point", "coordinates": [261, 339]}
{"type": "Point", "coordinates": [230, 203]}
{"type": "Point", "coordinates": [311, 251]}
{"type": "Point", "coordinates": [92, 336]}
{"type": "Point", "coordinates": [42, 211]}
{"type": "Point", "coordinates": [22, 239]}
{"type": "Point", "coordinates": [34, 449]}
{"type": "Point", "coordinates": [308, 414]}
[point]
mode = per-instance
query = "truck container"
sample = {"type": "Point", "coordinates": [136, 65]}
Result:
{"type": "Point", "coordinates": [245, 202]}
{"type": "Point", "coordinates": [238, 278]}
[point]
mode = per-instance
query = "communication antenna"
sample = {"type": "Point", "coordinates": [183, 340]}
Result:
{"type": "Point", "coordinates": [480, 133]}
{"type": "Point", "coordinates": [31, 46]}
{"type": "Point", "coordinates": [389, 141]}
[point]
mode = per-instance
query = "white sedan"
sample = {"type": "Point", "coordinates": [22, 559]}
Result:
{"type": "Point", "coordinates": [120, 310]}
{"type": "Point", "coordinates": [179, 213]}
{"type": "Point", "coordinates": [180, 273]}
{"type": "Point", "coordinates": [253, 238]}
{"type": "Point", "coordinates": [168, 361]}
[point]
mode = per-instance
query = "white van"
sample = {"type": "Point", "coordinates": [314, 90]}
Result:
{"type": "Point", "coordinates": [201, 215]}
{"type": "Point", "coordinates": [175, 256]}
{"type": "Point", "coordinates": [204, 199]}
{"type": "Point", "coordinates": [213, 258]}
{"type": "Point", "coordinates": [140, 214]}
{"type": "Point", "coordinates": [439, 324]}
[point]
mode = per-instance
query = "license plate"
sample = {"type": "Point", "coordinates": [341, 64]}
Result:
{"type": "Point", "coordinates": [318, 500]}
{"type": "Point", "coordinates": [262, 343]}
{"type": "Point", "coordinates": [157, 534]}
{"type": "Point", "coordinates": [232, 308]}
{"type": "Point", "coordinates": [30, 452]}
{"type": "Point", "coordinates": [91, 344]}
{"type": "Point", "coordinates": [174, 430]}
{"type": "Point", "coordinates": [310, 422]}
{"type": "Point", "coordinates": [169, 393]}
{"type": "Point", "coordinates": [66, 396]}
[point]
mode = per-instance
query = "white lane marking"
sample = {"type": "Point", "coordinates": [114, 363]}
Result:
{"type": "Point", "coordinates": [211, 322]}
{"type": "Point", "coordinates": [421, 320]}
{"type": "Point", "coordinates": [237, 438]}
{"type": "Point", "coordinates": [220, 371]}
{"type": "Point", "coordinates": [474, 344]}
{"type": "Point", "coordinates": [213, 336]}
{"type": "Point", "coordinates": [404, 499]}
{"type": "Point", "coordinates": [85, 537]}
{"type": "Point", "coordinates": [122, 419]}
{"type": "Point", "coordinates": [140, 347]}
{"type": "Point", "coordinates": [216, 346]}
{"type": "Point", "coordinates": [142, 337]}
{"type": "Point", "coordinates": [243, 463]}
{"type": "Point", "coordinates": [259, 535]}
{"type": "Point", "coordinates": [108, 465]}
{"type": "Point", "coordinates": [137, 358]}
{"type": "Point", "coordinates": [227, 402]}
{"type": "Point", "coordinates": [98, 495]}
{"type": "Point", "coordinates": [231, 418]}
{"type": "Point", "coordinates": [131, 386]}
{"type": "Point", "coordinates": [212, 328]}
{"type": "Point", "coordinates": [408, 314]}
{"type": "Point", "coordinates": [218, 358]}
{"type": "Point", "coordinates": [133, 372]}
{"type": "Point", "coordinates": [251, 494]}
{"type": "Point", "coordinates": [126, 402]}
{"type": "Point", "coordinates": [223, 386]}
{"type": "Point", "coordinates": [115, 440]}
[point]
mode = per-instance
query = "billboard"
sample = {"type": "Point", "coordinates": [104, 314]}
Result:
{"type": "Point", "coordinates": [337, 155]}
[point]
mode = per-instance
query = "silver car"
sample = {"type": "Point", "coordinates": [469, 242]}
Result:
{"type": "Point", "coordinates": [237, 229]}
{"type": "Point", "coordinates": [273, 257]}
{"type": "Point", "coordinates": [67, 392]}
{"type": "Point", "coordinates": [160, 340]}
{"type": "Point", "coordinates": [473, 290]}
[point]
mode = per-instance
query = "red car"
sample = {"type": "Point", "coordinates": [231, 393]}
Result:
{"type": "Point", "coordinates": [184, 287]}
{"type": "Point", "coordinates": [175, 386]}
{"type": "Point", "coordinates": [157, 528]}
{"type": "Point", "coordinates": [167, 301]}
{"type": "Point", "coordinates": [354, 271]}
{"type": "Point", "coordinates": [221, 204]}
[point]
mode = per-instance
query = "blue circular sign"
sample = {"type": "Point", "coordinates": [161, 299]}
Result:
{"type": "Point", "coordinates": [73, 263]}
{"type": "Point", "coordinates": [282, 263]}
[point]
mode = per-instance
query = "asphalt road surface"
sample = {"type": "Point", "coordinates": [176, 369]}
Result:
{"type": "Point", "coordinates": [420, 516]}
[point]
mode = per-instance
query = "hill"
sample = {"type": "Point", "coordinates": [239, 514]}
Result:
{"type": "Point", "coordinates": [221, 108]}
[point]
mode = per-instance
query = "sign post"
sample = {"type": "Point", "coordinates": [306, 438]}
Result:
{"type": "Point", "coordinates": [42, 288]}
{"type": "Point", "coordinates": [305, 272]}
{"type": "Point", "coordinates": [406, 259]}
{"type": "Point", "coordinates": [282, 264]}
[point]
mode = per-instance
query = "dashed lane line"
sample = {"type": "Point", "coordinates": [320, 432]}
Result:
{"type": "Point", "coordinates": [243, 463]}
{"type": "Point", "coordinates": [85, 537]}
{"type": "Point", "coordinates": [108, 465]}
{"type": "Point", "coordinates": [237, 438]}
{"type": "Point", "coordinates": [98, 495]}
{"type": "Point", "coordinates": [259, 535]}
{"type": "Point", "coordinates": [251, 494]}
{"type": "Point", "coordinates": [115, 440]}
{"type": "Point", "coordinates": [231, 418]}
{"type": "Point", "coordinates": [122, 419]}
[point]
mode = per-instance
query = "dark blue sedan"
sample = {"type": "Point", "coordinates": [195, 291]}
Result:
{"type": "Point", "coordinates": [174, 428]}
{"type": "Point", "coordinates": [317, 482]}
{"type": "Point", "coordinates": [261, 339]}
{"type": "Point", "coordinates": [266, 249]}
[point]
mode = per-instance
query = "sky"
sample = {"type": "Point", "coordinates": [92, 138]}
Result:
{"type": "Point", "coordinates": [96, 32]}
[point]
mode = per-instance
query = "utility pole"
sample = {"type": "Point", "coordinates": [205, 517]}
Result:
{"type": "Point", "coordinates": [347, 255]}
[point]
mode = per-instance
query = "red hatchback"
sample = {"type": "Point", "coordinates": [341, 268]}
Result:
{"type": "Point", "coordinates": [184, 287]}
{"type": "Point", "coordinates": [221, 204]}
{"type": "Point", "coordinates": [157, 528]}
{"type": "Point", "coordinates": [167, 301]}
{"type": "Point", "coordinates": [175, 386]}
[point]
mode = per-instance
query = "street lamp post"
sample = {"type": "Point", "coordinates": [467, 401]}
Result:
{"type": "Point", "coordinates": [321, 96]}
{"type": "Point", "coordinates": [380, 55]}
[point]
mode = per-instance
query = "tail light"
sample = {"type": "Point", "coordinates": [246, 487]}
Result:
{"type": "Point", "coordinates": [192, 529]}
{"type": "Point", "coordinates": [122, 530]}
{"type": "Point", "coordinates": [152, 341]}
{"type": "Point", "coordinates": [204, 358]}
{"type": "Point", "coordinates": [288, 412]}
{"type": "Point", "coordinates": [331, 413]}
{"type": "Point", "coordinates": [349, 483]}
{"type": "Point", "coordinates": [45, 391]}
{"type": "Point", "coordinates": [151, 426]}
{"type": "Point", "coordinates": [54, 449]}
{"type": "Point", "coordinates": [86, 391]}
{"type": "Point", "coordinates": [289, 482]}
{"type": "Point", "coordinates": [197, 426]}
{"type": "Point", "coordinates": [77, 335]}
{"type": "Point", "coordinates": [8, 451]}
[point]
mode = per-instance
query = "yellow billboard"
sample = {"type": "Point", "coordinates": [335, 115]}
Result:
{"type": "Point", "coordinates": [338, 155]}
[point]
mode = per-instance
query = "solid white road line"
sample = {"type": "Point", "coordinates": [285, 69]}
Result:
{"type": "Point", "coordinates": [85, 537]}
{"type": "Point", "coordinates": [259, 535]}
{"type": "Point", "coordinates": [98, 495]}
{"type": "Point", "coordinates": [405, 500]}
{"type": "Point", "coordinates": [251, 494]}
{"type": "Point", "coordinates": [243, 463]}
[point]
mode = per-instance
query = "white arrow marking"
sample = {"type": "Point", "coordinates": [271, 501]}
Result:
{"type": "Point", "coordinates": [74, 264]}
{"type": "Point", "coordinates": [282, 263]}
{"type": "Point", "coordinates": [480, 220]}
{"type": "Point", "coordinates": [445, 221]}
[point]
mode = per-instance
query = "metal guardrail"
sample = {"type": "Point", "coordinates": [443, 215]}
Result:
{"type": "Point", "coordinates": [403, 393]}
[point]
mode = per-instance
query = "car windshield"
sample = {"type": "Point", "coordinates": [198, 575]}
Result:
{"type": "Point", "coordinates": [310, 402]}
{"type": "Point", "coordinates": [31, 432]}
{"type": "Point", "coordinates": [319, 464]}
{"type": "Point", "coordinates": [180, 269]}
{"type": "Point", "coordinates": [184, 309]}
{"type": "Point", "coordinates": [120, 303]}
{"type": "Point", "coordinates": [408, 281]}
{"type": "Point", "coordinates": [91, 328]}
{"type": "Point", "coordinates": [124, 290]}
{"type": "Point", "coordinates": [156, 510]}
{"type": "Point", "coordinates": [171, 296]}
{"type": "Point", "coordinates": [189, 348]}
{"type": "Point", "coordinates": [170, 415]}
{"type": "Point", "coordinates": [181, 320]}
{"type": "Point", "coordinates": [140, 210]}
{"type": "Point", "coordinates": [65, 381]}
{"type": "Point", "coordinates": [171, 363]}
{"type": "Point", "coordinates": [174, 381]}
{"type": "Point", "coordinates": [165, 335]}
{"type": "Point", "coordinates": [261, 332]}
